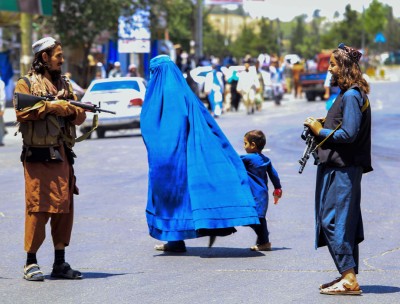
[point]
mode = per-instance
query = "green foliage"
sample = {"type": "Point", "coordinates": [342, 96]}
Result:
{"type": "Point", "coordinates": [179, 16]}
{"type": "Point", "coordinates": [243, 44]}
{"type": "Point", "coordinates": [297, 37]}
{"type": "Point", "coordinates": [375, 17]}
{"type": "Point", "coordinates": [79, 23]}
{"type": "Point", "coordinates": [266, 42]}
{"type": "Point", "coordinates": [392, 32]}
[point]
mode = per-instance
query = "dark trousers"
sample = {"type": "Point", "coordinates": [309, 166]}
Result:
{"type": "Point", "coordinates": [344, 262]}
{"type": "Point", "coordinates": [262, 231]}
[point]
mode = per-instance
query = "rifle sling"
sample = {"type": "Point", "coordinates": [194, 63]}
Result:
{"type": "Point", "coordinates": [95, 124]}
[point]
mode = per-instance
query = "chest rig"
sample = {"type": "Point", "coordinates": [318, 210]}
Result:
{"type": "Point", "coordinates": [50, 132]}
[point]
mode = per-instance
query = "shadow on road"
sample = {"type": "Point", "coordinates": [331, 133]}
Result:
{"type": "Point", "coordinates": [379, 289]}
{"type": "Point", "coordinates": [221, 252]}
{"type": "Point", "coordinates": [92, 275]}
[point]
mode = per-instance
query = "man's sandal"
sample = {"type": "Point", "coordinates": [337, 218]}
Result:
{"type": "Point", "coordinates": [326, 285]}
{"type": "Point", "coordinates": [343, 287]}
{"type": "Point", "coordinates": [32, 272]}
{"type": "Point", "coordinates": [64, 271]}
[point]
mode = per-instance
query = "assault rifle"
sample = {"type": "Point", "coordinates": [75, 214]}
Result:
{"type": "Point", "coordinates": [311, 144]}
{"type": "Point", "coordinates": [23, 101]}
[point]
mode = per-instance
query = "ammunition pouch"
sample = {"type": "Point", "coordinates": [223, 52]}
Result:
{"type": "Point", "coordinates": [40, 133]}
{"type": "Point", "coordinates": [46, 154]}
{"type": "Point", "coordinates": [35, 155]}
{"type": "Point", "coordinates": [47, 133]}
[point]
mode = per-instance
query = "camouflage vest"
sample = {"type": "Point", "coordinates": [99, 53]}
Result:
{"type": "Point", "coordinates": [52, 131]}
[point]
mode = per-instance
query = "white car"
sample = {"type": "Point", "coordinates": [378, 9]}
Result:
{"type": "Point", "coordinates": [123, 95]}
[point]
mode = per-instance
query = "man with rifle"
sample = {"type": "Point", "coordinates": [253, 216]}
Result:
{"type": "Point", "coordinates": [344, 154]}
{"type": "Point", "coordinates": [48, 133]}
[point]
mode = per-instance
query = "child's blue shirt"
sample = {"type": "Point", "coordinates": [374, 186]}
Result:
{"type": "Point", "coordinates": [259, 168]}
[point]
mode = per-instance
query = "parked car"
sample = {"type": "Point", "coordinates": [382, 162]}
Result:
{"type": "Point", "coordinates": [124, 95]}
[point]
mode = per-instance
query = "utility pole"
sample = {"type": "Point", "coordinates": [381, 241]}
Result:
{"type": "Point", "coordinates": [26, 42]}
{"type": "Point", "coordinates": [199, 30]}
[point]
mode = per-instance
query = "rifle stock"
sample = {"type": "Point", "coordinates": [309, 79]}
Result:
{"type": "Point", "coordinates": [23, 101]}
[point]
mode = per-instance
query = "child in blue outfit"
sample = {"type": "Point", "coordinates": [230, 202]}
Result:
{"type": "Point", "coordinates": [259, 168]}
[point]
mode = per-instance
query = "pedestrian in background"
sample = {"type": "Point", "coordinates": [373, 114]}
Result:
{"type": "Point", "coordinates": [191, 162]}
{"type": "Point", "coordinates": [115, 71]}
{"type": "Point", "coordinates": [2, 110]}
{"type": "Point", "coordinates": [343, 158]}
{"type": "Point", "coordinates": [132, 71]}
{"type": "Point", "coordinates": [48, 133]}
{"type": "Point", "coordinates": [259, 168]}
{"type": "Point", "coordinates": [297, 70]}
{"type": "Point", "coordinates": [331, 92]}
{"type": "Point", "coordinates": [214, 89]}
{"type": "Point", "coordinates": [248, 85]}
{"type": "Point", "coordinates": [288, 75]}
{"type": "Point", "coordinates": [235, 95]}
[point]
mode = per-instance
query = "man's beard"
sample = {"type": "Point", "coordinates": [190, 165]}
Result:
{"type": "Point", "coordinates": [55, 74]}
{"type": "Point", "coordinates": [334, 81]}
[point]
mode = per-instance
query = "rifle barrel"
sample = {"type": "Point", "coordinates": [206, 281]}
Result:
{"type": "Point", "coordinates": [90, 107]}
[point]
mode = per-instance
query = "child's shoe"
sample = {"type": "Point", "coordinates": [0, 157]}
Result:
{"type": "Point", "coordinates": [262, 247]}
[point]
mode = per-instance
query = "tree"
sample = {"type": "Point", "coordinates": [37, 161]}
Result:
{"type": "Point", "coordinates": [179, 17]}
{"type": "Point", "coordinates": [350, 29]}
{"type": "Point", "coordinates": [375, 18]}
{"type": "Point", "coordinates": [242, 45]}
{"type": "Point", "coordinates": [298, 34]}
{"type": "Point", "coordinates": [266, 41]}
{"type": "Point", "coordinates": [392, 32]}
{"type": "Point", "coordinates": [78, 23]}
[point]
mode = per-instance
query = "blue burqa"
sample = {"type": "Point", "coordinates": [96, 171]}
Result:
{"type": "Point", "coordinates": [197, 182]}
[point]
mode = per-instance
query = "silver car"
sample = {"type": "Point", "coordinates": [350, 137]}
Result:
{"type": "Point", "coordinates": [124, 95]}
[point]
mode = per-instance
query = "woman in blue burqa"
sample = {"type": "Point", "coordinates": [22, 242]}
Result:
{"type": "Point", "coordinates": [198, 185]}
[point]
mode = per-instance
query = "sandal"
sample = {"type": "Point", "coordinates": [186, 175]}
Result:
{"type": "Point", "coordinates": [64, 271]}
{"type": "Point", "coordinates": [342, 287]}
{"type": "Point", "coordinates": [174, 246]}
{"type": "Point", "coordinates": [262, 247]}
{"type": "Point", "coordinates": [32, 272]}
{"type": "Point", "coordinates": [326, 285]}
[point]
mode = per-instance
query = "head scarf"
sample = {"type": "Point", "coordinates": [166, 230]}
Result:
{"type": "Point", "coordinates": [353, 54]}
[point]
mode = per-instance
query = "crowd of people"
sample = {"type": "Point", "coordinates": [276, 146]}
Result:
{"type": "Point", "coordinates": [223, 85]}
{"type": "Point", "coordinates": [187, 193]}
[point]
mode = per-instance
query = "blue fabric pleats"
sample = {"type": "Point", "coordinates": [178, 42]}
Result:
{"type": "Point", "coordinates": [196, 179]}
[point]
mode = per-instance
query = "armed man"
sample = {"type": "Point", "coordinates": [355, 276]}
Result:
{"type": "Point", "coordinates": [344, 155]}
{"type": "Point", "coordinates": [48, 132]}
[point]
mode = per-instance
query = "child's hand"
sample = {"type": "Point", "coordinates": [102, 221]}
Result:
{"type": "Point", "coordinates": [277, 195]}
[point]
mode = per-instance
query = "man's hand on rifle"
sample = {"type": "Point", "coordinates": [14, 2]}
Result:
{"type": "Point", "coordinates": [60, 108]}
{"type": "Point", "coordinates": [314, 125]}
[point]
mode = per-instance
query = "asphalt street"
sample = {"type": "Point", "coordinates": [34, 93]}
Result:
{"type": "Point", "coordinates": [111, 245]}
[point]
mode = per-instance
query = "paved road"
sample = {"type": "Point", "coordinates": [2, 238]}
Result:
{"type": "Point", "coordinates": [111, 245]}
